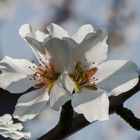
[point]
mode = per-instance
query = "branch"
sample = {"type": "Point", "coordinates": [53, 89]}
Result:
{"type": "Point", "coordinates": [79, 121]}
{"type": "Point", "coordinates": [129, 117]}
{"type": "Point", "coordinates": [64, 125]}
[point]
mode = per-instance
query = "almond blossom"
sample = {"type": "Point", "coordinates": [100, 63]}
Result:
{"type": "Point", "coordinates": [71, 68]}
{"type": "Point", "coordinates": [8, 129]}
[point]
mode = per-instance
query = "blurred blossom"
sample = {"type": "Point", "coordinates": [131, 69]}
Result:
{"type": "Point", "coordinates": [47, 3]}
{"type": "Point", "coordinates": [9, 129]}
{"type": "Point", "coordinates": [124, 23]}
{"type": "Point", "coordinates": [7, 9]}
{"type": "Point", "coordinates": [93, 11]}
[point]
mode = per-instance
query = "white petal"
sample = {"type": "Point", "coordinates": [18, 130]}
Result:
{"type": "Point", "coordinates": [40, 36]}
{"type": "Point", "coordinates": [93, 48]}
{"type": "Point", "coordinates": [58, 53]}
{"type": "Point", "coordinates": [82, 32]}
{"type": "Point", "coordinates": [56, 31]}
{"type": "Point", "coordinates": [31, 104]}
{"type": "Point", "coordinates": [95, 108]}
{"type": "Point", "coordinates": [117, 76]}
{"type": "Point", "coordinates": [14, 73]}
{"type": "Point", "coordinates": [21, 85]}
{"type": "Point", "coordinates": [67, 83]}
{"type": "Point", "coordinates": [16, 135]}
{"type": "Point", "coordinates": [16, 126]}
{"type": "Point", "coordinates": [33, 41]}
{"type": "Point", "coordinates": [85, 95]}
{"type": "Point", "coordinates": [71, 45]}
{"type": "Point", "coordinates": [25, 30]}
{"type": "Point", "coordinates": [5, 118]}
{"type": "Point", "coordinates": [58, 95]}
{"type": "Point", "coordinates": [8, 129]}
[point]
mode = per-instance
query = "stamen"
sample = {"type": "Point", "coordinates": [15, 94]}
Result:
{"type": "Point", "coordinates": [84, 78]}
{"type": "Point", "coordinates": [44, 75]}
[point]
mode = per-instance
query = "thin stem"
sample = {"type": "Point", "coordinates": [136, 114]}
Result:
{"type": "Point", "coordinates": [64, 125]}
{"type": "Point", "coordinates": [129, 117]}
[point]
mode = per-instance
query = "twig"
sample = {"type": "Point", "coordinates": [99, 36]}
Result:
{"type": "Point", "coordinates": [64, 125]}
{"type": "Point", "coordinates": [129, 117]}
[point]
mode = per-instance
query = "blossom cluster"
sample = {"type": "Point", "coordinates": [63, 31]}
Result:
{"type": "Point", "coordinates": [70, 68]}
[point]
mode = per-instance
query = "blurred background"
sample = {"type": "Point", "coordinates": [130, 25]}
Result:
{"type": "Point", "coordinates": [121, 17]}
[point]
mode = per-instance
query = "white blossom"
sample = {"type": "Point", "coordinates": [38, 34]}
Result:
{"type": "Point", "coordinates": [8, 8]}
{"type": "Point", "coordinates": [93, 78]}
{"type": "Point", "coordinates": [71, 68]}
{"type": "Point", "coordinates": [8, 129]}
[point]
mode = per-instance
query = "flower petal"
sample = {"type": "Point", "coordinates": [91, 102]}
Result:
{"type": "Point", "coordinates": [12, 130]}
{"type": "Point", "coordinates": [14, 73]}
{"type": "Point", "coordinates": [16, 135]}
{"type": "Point", "coordinates": [94, 105]}
{"type": "Point", "coordinates": [58, 54]}
{"type": "Point", "coordinates": [40, 36]}
{"type": "Point", "coordinates": [35, 42]}
{"type": "Point", "coordinates": [117, 76]}
{"type": "Point", "coordinates": [58, 95]}
{"type": "Point", "coordinates": [93, 49]}
{"type": "Point", "coordinates": [31, 104]}
{"type": "Point", "coordinates": [71, 45]}
{"type": "Point", "coordinates": [85, 95]}
{"type": "Point", "coordinates": [82, 32]}
{"type": "Point", "coordinates": [56, 31]}
{"type": "Point", "coordinates": [67, 83]}
{"type": "Point", "coordinates": [5, 118]}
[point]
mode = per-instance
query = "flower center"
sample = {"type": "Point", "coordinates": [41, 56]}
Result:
{"type": "Point", "coordinates": [83, 78]}
{"type": "Point", "coordinates": [44, 76]}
